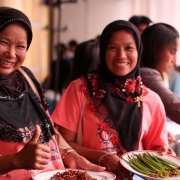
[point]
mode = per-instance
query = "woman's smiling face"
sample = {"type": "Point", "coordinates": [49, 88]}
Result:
{"type": "Point", "coordinates": [121, 53]}
{"type": "Point", "coordinates": [13, 47]}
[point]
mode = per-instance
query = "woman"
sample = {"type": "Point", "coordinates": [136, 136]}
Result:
{"type": "Point", "coordinates": [27, 137]}
{"type": "Point", "coordinates": [160, 45]}
{"type": "Point", "coordinates": [120, 114]}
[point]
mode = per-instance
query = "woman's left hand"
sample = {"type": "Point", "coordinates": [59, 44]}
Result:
{"type": "Point", "coordinates": [75, 161]}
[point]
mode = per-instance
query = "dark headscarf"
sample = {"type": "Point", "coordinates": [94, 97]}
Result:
{"type": "Point", "coordinates": [9, 15]}
{"type": "Point", "coordinates": [14, 84]}
{"type": "Point", "coordinates": [127, 116]}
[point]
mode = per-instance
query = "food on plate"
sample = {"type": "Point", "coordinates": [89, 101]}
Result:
{"type": "Point", "coordinates": [152, 165]}
{"type": "Point", "coordinates": [72, 175]}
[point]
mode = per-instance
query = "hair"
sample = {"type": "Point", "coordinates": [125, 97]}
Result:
{"type": "Point", "coordinates": [136, 20]}
{"type": "Point", "coordinates": [155, 38]}
{"type": "Point", "coordinates": [73, 43]}
{"type": "Point", "coordinates": [61, 47]}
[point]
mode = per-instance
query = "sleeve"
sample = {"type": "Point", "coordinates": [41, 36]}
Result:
{"type": "Point", "coordinates": [67, 111]}
{"type": "Point", "coordinates": [174, 85]}
{"type": "Point", "coordinates": [155, 124]}
{"type": "Point", "coordinates": [153, 80]}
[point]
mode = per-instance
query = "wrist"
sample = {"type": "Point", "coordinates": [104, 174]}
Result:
{"type": "Point", "coordinates": [106, 154]}
{"type": "Point", "coordinates": [6, 164]}
{"type": "Point", "coordinates": [65, 152]}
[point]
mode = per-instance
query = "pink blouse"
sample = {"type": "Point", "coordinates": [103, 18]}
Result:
{"type": "Point", "coordinates": [22, 174]}
{"type": "Point", "coordinates": [94, 135]}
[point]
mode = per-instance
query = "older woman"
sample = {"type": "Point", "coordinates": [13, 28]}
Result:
{"type": "Point", "coordinates": [119, 114]}
{"type": "Point", "coordinates": [27, 137]}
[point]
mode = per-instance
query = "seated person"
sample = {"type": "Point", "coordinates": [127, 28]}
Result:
{"type": "Point", "coordinates": [27, 140]}
{"type": "Point", "coordinates": [108, 112]}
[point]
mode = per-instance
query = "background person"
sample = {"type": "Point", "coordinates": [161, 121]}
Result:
{"type": "Point", "coordinates": [160, 46]}
{"type": "Point", "coordinates": [141, 22]}
{"type": "Point", "coordinates": [86, 59]}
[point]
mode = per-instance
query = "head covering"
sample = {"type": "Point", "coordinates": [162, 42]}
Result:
{"type": "Point", "coordinates": [114, 97]}
{"type": "Point", "coordinates": [9, 15]}
{"type": "Point", "coordinates": [106, 34]}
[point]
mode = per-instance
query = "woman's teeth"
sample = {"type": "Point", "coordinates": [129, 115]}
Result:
{"type": "Point", "coordinates": [5, 62]}
{"type": "Point", "coordinates": [121, 64]}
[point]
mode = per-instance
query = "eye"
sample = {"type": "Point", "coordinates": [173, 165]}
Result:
{"type": "Point", "coordinates": [22, 47]}
{"type": "Point", "coordinates": [130, 47]}
{"type": "Point", "coordinates": [111, 47]}
{"type": "Point", "coordinates": [3, 42]}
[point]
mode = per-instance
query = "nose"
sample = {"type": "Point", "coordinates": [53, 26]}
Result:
{"type": "Point", "coordinates": [11, 52]}
{"type": "Point", "coordinates": [174, 59]}
{"type": "Point", "coordinates": [121, 53]}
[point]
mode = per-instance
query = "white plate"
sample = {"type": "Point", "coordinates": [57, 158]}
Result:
{"type": "Point", "coordinates": [173, 159]}
{"type": "Point", "coordinates": [98, 175]}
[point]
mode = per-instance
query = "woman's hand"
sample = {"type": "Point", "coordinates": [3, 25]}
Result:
{"type": "Point", "coordinates": [112, 164]}
{"type": "Point", "coordinates": [75, 161]}
{"type": "Point", "coordinates": [165, 150]}
{"type": "Point", "coordinates": [33, 155]}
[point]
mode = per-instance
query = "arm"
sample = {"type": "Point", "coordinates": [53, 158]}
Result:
{"type": "Point", "coordinates": [73, 159]}
{"type": "Point", "coordinates": [153, 80]}
{"type": "Point", "coordinates": [154, 130]}
{"type": "Point", "coordinates": [108, 160]}
{"type": "Point", "coordinates": [6, 164]}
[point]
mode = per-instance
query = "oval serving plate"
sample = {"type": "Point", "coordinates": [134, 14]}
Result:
{"type": "Point", "coordinates": [105, 175]}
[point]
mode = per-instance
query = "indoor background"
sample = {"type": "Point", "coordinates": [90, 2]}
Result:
{"type": "Point", "coordinates": [82, 20]}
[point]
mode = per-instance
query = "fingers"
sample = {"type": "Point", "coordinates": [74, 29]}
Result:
{"type": "Point", "coordinates": [167, 150]}
{"type": "Point", "coordinates": [36, 135]}
{"type": "Point", "coordinates": [95, 167]}
{"type": "Point", "coordinates": [170, 151]}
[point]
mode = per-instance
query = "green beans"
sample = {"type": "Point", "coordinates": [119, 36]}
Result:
{"type": "Point", "coordinates": [154, 166]}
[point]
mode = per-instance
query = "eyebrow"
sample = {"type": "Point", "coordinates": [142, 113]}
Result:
{"type": "Point", "coordinates": [128, 43]}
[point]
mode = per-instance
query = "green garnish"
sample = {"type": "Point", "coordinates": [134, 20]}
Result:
{"type": "Point", "coordinates": [151, 165]}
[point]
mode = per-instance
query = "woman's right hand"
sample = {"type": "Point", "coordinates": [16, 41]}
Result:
{"type": "Point", "coordinates": [33, 155]}
{"type": "Point", "coordinates": [112, 164]}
